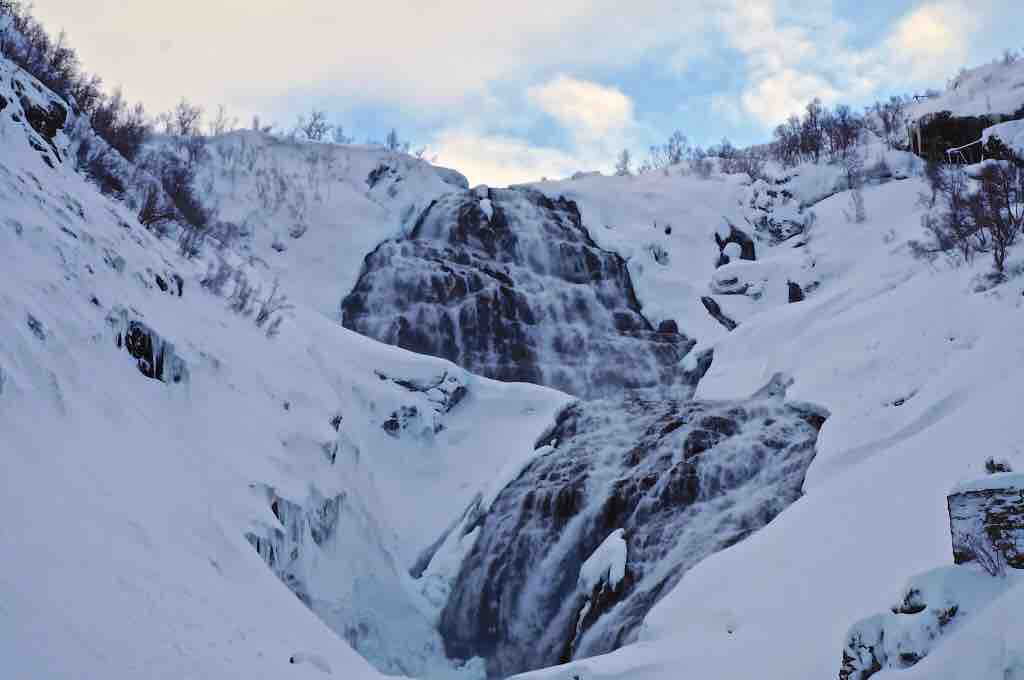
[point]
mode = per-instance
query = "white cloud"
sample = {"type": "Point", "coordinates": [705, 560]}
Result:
{"type": "Point", "coordinates": [933, 40]}
{"type": "Point", "coordinates": [777, 96]}
{"type": "Point", "coordinates": [588, 110]}
{"type": "Point", "coordinates": [421, 55]}
{"type": "Point", "coordinates": [502, 160]}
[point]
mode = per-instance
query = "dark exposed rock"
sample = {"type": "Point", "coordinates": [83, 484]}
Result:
{"type": "Point", "coordinates": [748, 251]}
{"type": "Point", "coordinates": [36, 326]}
{"type": "Point", "coordinates": [46, 121]}
{"type": "Point", "coordinates": [670, 473]}
{"type": "Point", "coordinates": [155, 356]}
{"type": "Point", "coordinates": [442, 394]}
{"type": "Point", "coordinates": [668, 327]}
{"type": "Point", "coordinates": [715, 310]}
{"type": "Point", "coordinates": [380, 172]}
{"type": "Point", "coordinates": [516, 290]}
{"type": "Point", "coordinates": [796, 293]}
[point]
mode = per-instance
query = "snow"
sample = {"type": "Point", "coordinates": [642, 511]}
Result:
{"type": "Point", "coordinates": [630, 214]}
{"type": "Point", "coordinates": [999, 480]}
{"type": "Point", "coordinates": [994, 88]}
{"type": "Point", "coordinates": [607, 564]}
{"type": "Point", "coordinates": [1010, 133]}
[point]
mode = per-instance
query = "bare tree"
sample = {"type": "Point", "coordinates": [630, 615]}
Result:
{"type": "Point", "coordinates": [338, 135]}
{"type": "Point", "coordinates": [1000, 207]}
{"type": "Point", "coordinates": [184, 120]}
{"type": "Point", "coordinates": [854, 166]}
{"type": "Point", "coordinates": [393, 143]}
{"type": "Point", "coordinates": [624, 163]}
{"type": "Point", "coordinates": [222, 123]}
{"type": "Point", "coordinates": [315, 128]}
{"type": "Point", "coordinates": [701, 164]}
{"type": "Point", "coordinates": [154, 210]}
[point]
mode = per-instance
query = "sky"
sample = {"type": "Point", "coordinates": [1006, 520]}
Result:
{"type": "Point", "coordinates": [512, 92]}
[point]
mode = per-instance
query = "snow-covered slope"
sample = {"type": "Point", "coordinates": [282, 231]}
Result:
{"type": "Point", "coordinates": [311, 212]}
{"type": "Point", "coordinates": [995, 88]}
{"type": "Point", "coordinates": [138, 501]}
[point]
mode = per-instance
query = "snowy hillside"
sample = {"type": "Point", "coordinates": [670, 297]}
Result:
{"type": "Point", "coordinates": [996, 88]}
{"type": "Point", "coordinates": [310, 213]}
{"type": "Point", "coordinates": [769, 392]}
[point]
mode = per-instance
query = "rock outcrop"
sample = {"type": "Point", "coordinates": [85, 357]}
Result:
{"type": "Point", "coordinates": [986, 521]}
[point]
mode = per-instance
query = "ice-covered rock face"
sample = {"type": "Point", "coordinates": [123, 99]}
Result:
{"type": "Point", "coordinates": [508, 284]}
{"type": "Point", "coordinates": [682, 480]}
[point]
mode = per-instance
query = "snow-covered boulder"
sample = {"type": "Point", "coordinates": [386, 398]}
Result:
{"type": "Point", "coordinates": [932, 605]}
{"type": "Point", "coordinates": [1010, 133]}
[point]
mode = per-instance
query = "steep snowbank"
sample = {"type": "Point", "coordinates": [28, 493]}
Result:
{"type": "Point", "coordinates": [995, 88]}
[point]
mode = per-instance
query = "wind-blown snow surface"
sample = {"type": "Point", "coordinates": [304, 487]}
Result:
{"type": "Point", "coordinates": [921, 366]}
{"type": "Point", "coordinates": [129, 499]}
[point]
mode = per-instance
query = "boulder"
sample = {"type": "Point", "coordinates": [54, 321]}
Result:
{"type": "Point", "coordinates": [986, 521]}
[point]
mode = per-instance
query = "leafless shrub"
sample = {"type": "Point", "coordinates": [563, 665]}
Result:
{"type": "Point", "coordinates": [243, 298]}
{"type": "Point", "coordinates": [315, 128]}
{"type": "Point", "coordinates": [984, 554]}
{"type": "Point", "coordinates": [154, 210]}
{"type": "Point", "coordinates": [275, 303]}
{"type": "Point", "coordinates": [217, 277]}
{"type": "Point", "coordinates": [222, 123]}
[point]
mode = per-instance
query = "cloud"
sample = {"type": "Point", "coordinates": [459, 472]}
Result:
{"type": "Point", "coordinates": [932, 40]}
{"type": "Point", "coordinates": [420, 55]}
{"type": "Point", "coordinates": [588, 110]}
{"type": "Point", "coordinates": [784, 93]}
{"type": "Point", "coordinates": [503, 160]}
